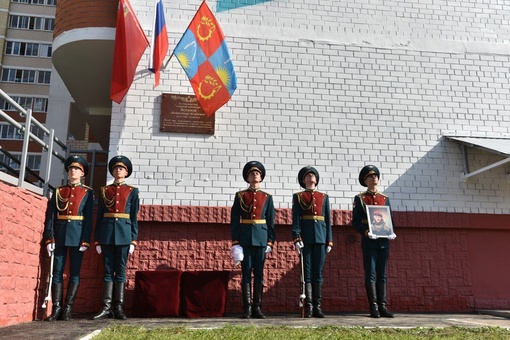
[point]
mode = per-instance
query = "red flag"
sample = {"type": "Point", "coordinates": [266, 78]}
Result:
{"type": "Point", "coordinates": [203, 54]}
{"type": "Point", "coordinates": [130, 44]}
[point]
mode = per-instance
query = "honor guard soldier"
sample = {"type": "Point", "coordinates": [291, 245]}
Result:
{"type": "Point", "coordinates": [252, 224]}
{"type": "Point", "coordinates": [68, 229]}
{"type": "Point", "coordinates": [312, 236]}
{"type": "Point", "coordinates": [375, 250]}
{"type": "Point", "coordinates": [116, 234]}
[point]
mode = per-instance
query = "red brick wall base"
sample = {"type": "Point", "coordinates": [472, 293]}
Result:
{"type": "Point", "coordinates": [22, 216]}
{"type": "Point", "coordinates": [439, 261]}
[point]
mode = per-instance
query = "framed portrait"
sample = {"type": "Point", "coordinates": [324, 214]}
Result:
{"type": "Point", "coordinates": [379, 220]}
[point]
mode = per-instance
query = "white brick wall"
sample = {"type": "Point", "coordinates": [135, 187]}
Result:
{"type": "Point", "coordinates": [335, 85]}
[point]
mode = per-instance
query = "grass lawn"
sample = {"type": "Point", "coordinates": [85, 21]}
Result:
{"type": "Point", "coordinates": [282, 332]}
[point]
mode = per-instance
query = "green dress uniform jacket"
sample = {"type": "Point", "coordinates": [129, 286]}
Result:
{"type": "Point", "coordinates": [69, 216]}
{"type": "Point", "coordinates": [311, 218]}
{"type": "Point", "coordinates": [117, 215]}
{"type": "Point", "coordinates": [252, 219]}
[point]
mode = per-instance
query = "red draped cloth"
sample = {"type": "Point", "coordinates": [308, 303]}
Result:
{"type": "Point", "coordinates": [169, 293]}
{"type": "Point", "coordinates": [204, 293]}
{"type": "Point", "coordinates": [157, 293]}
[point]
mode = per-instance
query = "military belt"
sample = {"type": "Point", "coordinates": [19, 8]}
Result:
{"type": "Point", "coordinates": [253, 221]}
{"type": "Point", "coordinates": [116, 215]}
{"type": "Point", "coordinates": [71, 217]}
{"type": "Point", "coordinates": [312, 217]}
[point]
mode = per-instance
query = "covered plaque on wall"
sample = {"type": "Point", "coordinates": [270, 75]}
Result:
{"type": "Point", "coordinates": [183, 114]}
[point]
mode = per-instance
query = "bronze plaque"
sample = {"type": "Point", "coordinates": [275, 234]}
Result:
{"type": "Point", "coordinates": [183, 114]}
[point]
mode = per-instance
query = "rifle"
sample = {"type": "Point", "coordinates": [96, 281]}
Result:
{"type": "Point", "coordinates": [302, 297]}
{"type": "Point", "coordinates": [50, 281]}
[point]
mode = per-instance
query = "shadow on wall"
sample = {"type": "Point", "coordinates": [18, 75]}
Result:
{"type": "Point", "coordinates": [433, 182]}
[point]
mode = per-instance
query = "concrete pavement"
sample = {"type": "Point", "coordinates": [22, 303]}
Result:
{"type": "Point", "coordinates": [82, 328]}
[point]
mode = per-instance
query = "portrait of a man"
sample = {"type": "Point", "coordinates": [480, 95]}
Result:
{"type": "Point", "coordinates": [380, 223]}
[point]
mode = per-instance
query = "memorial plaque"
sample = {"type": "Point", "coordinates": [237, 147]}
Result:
{"type": "Point", "coordinates": [183, 114]}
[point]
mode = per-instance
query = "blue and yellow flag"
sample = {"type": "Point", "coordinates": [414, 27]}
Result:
{"type": "Point", "coordinates": [203, 54]}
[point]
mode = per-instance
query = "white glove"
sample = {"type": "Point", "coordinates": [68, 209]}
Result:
{"type": "Point", "coordinates": [392, 236]}
{"type": "Point", "coordinates": [328, 249]}
{"type": "Point", "coordinates": [83, 248]}
{"type": "Point", "coordinates": [299, 245]}
{"type": "Point", "coordinates": [268, 249]}
{"type": "Point", "coordinates": [371, 236]}
{"type": "Point", "coordinates": [131, 249]}
{"type": "Point", "coordinates": [237, 254]}
{"type": "Point", "coordinates": [98, 249]}
{"type": "Point", "coordinates": [50, 247]}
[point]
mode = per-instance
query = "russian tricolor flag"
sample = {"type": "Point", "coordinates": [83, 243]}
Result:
{"type": "Point", "coordinates": [159, 46]}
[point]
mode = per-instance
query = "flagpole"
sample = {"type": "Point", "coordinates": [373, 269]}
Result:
{"type": "Point", "coordinates": [166, 64]}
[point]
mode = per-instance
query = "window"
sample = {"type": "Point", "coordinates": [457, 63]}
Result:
{"type": "Point", "coordinates": [45, 51]}
{"type": "Point", "coordinates": [40, 104]}
{"type": "Point", "coordinates": [37, 2]}
{"type": "Point", "coordinates": [31, 49]}
{"type": "Point", "coordinates": [27, 49]}
{"type": "Point", "coordinates": [44, 77]}
{"type": "Point", "coordinates": [12, 48]}
{"type": "Point", "coordinates": [31, 23]}
{"type": "Point", "coordinates": [33, 162]}
{"type": "Point", "coordinates": [49, 24]}
{"type": "Point", "coordinates": [10, 132]}
{"type": "Point", "coordinates": [28, 76]}
{"type": "Point", "coordinates": [35, 23]}
{"type": "Point", "coordinates": [25, 76]}
{"type": "Point", "coordinates": [24, 102]}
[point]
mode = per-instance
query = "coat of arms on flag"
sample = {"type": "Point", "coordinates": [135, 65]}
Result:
{"type": "Point", "coordinates": [203, 54]}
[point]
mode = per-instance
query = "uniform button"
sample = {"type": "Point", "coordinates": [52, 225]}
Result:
{"type": "Point", "coordinates": [71, 203]}
{"type": "Point", "coordinates": [117, 202]}
{"type": "Point", "coordinates": [253, 207]}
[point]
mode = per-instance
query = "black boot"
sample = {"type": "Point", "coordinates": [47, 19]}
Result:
{"type": "Point", "coordinates": [317, 300]}
{"type": "Point", "coordinates": [106, 312]}
{"type": "Point", "coordinates": [118, 312]}
{"type": "Point", "coordinates": [72, 290]}
{"type": "Point", "coordinates": [372, 300]}
{"type": "Point", "coordinates": [56, 299]}
{"type": "Point", "coordinates": [381, 300]}
{"type": "Point", "coordinates": [256, 313]}
{"type": "Point", "coordinates": [246, 290]}
{"type": "Point", "coordinates": [308, 300]}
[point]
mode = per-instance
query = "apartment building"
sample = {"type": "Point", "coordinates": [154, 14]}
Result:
{"type": "Point", "coordinates": [26, 28]}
